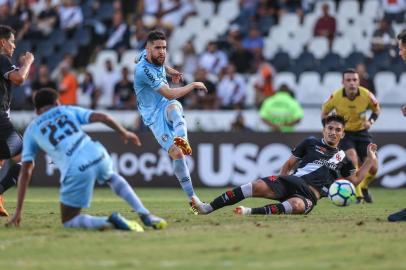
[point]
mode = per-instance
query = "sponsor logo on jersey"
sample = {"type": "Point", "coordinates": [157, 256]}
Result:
{"type": "Point", "coordinates": [321, 149]}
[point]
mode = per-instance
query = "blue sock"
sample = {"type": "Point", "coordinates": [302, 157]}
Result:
{"type": "Point", "coordinates": [182, 173]}
{"type": "Point", "coordinates": [87, 222]}
{"type": "Point", "coordinates": [121, 187]}
{"type": "Point", "coordinates": [178, 122]}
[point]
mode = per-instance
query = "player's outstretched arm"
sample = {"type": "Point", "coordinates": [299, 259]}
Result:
{"type": "Point", "coordinates": [360, 174]}
{"type": "Point", "coordinates": [23, 182]}
{"type": "Point", "coordinates": [20, 75]}
{"type": "Point", "coordinates": [109, 121]}
{"type": "Point", "coordinates": [174, 93]}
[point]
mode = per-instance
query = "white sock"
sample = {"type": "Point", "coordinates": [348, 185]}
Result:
{"type": "Point", "coordinates": [247, 190]}
{"type": "Point", "coordinates": [87, 222]}
{"type": "Point", "coordinates": [121, 187]}
{"type": "Point", "coordinates": [288, 207]}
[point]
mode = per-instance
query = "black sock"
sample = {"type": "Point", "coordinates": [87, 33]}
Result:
{"type": "Point", "coordinates": [270, 209]}
{"type": "Point", "coordinates": [10, 179]}
{"type": "Point", "coordinates": [229, 197]}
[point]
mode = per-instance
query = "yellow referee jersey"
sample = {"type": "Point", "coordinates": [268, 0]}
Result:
{"type": "Point", "coordinates": [353, 111]}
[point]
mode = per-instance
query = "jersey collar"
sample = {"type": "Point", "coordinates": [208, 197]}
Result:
{"type": "Point", "coordinates": [358, 93]}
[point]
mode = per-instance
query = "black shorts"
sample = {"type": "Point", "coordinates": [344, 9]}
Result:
{"type": "Point", "coordinates": [11, 143]}
{"type": "Point", "coordinates": [289, 186]}
{"type": "Point", "coordinates": [358, 140]}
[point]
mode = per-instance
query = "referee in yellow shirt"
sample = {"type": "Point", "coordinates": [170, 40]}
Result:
{"type": "Point", "coordinates": [352, 102]}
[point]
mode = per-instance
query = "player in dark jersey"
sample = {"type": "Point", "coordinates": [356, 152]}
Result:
{"type": "Point", "coordinates": [400, 215]}
{"type": "Point", "coordinates": [318, 163]}
{"type": "Point", "coordinates": [10, 140]}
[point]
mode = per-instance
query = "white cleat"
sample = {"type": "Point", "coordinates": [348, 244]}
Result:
{"type": "Point", "coordinates": [243, 211]}
{"type": "Point", "coordinates": [200, 207]}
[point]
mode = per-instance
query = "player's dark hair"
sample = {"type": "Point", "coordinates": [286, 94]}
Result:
{"type": "Point", "coordinates": [6, 31]}
{"type": "Point", "coordinates": [349, 71]}
{"type": "Point", "coordinates": [45, 97]}
{"type": "Point", "coordinates": [402, 36]}
{"type": "Point", "coordinates": [334, 118]}
{"type": "Point", "coordinates": [156, 35]}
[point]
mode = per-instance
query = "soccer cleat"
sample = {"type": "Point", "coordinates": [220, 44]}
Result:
{"type": "Point", "coordinates": [243, 211]}
{"type": "Point", "coordinates": [121, 223]}
{"type": "Point", "coordinates": [183, 144]}
{"type": "Point", "coordinates": [398, 216]}
{"type": "Point", "coordinates": [153, 221]}
{"type": "Point", "coordinates": [367, 195]}
{"type": "Point", "coordinates": [200, 208]}
{"type": "Point", "coordinates": [359, 200]}
{"type": "Point", "coordinates": [3, 211]}
{"type": "Point", "coordinates": [193, 209]}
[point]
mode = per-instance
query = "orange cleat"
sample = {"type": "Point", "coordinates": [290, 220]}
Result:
{"type": "Point", "coordinates": [3, 211]}
{"type": "Point", "coordinates": [183, 144]}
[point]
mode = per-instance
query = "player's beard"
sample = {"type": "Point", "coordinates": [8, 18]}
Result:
{"type": "Point", "coordinates": [158, 61]}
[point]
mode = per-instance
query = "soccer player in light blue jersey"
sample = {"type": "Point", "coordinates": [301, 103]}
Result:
{"type": "Point", "coordinates": [159, 108]}
{"type": "Point", "coordinates": [81, 162]}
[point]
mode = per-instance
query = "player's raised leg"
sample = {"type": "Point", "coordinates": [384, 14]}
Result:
{"type": "Point", "coordinates": [232, 196]}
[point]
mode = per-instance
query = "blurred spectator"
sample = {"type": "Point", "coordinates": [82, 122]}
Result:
{"type": "Point", "coordinates": [138, 35]}
{"type": "Point", "coordinates": [89, 87]}
{"type": "Point", "coordinates": [231, 90]}
{"type": "Point", "coordinates": [364, 78]}
{"type": "Point", "coordinates": [325, 25]}
{"type": "Point", "coordinates": [263, 82]}
{"type": "Point", "coordinates": [118, 34]}
{"type": "Point", "coordinates": [239, 123]}
{"type": "Point", "coordinates": [124, 98]}
{"type": "Point", "coordinates": [394, 10]}
{"type": "Point", "coordinates": [67, 61]}
{"type": "Point", "coordinates": [254, 42]}
{"type": "Point", "coordinates": [281, 111]}
{"type": "Point", "coordinates": [43, 80]}
{"type": "Point", "coordinates": [108, 79]}
{"type": "Point", "coordinates": [70, 15]}
{"type": "Point", "coordinates": [233, 37]}
{"type": "Point", "coordinates": [68, 86]}
{"type": "Point", "coordinates": [150, 10]}
{"type": "Point", "coordinates": [209, 100]}
{"type": "Point", "coordinates": [6, 18]}
{"type": "Point", "coordinates": [190, 59]}
{"type": "Point", "coordinates": [48, 19]}
{"type": "Point", "coordinates": [213, 60]}
{"type": "Point", "coordinates": [22, 11]}
{"type": "Point", "coordinates": [264, 19]}
{"type": "Point", "coordinates": [174, 12]}
{"type": "Point", "coordinates": [242, 58]}
{"type": "Point", "coordinates": [383, 39]}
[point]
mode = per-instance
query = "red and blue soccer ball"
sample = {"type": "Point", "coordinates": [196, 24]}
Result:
{"type": "Point", "coordinates": [342, 193]}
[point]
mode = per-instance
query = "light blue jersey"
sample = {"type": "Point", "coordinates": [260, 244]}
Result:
{"type": "Point", "coordinates": [80, 160]}
{"type": "Point", "coordinates": [148, 79]}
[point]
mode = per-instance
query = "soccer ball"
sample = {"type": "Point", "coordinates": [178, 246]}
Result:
{"type": "Point", "coordinates": [342, 193]}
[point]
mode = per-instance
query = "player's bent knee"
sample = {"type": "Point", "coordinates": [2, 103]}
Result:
{"type": "Point", "coordinates": [260, 189]}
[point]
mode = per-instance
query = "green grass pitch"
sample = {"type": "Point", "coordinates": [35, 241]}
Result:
{"type": "Point", "coordinates": [354, 237]}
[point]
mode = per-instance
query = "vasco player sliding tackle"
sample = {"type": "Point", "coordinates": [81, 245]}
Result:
{"type": "Point", "coordinates": [319, 162]}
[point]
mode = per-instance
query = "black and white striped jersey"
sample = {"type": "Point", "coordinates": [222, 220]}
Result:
{"type": "Point", "coordinates": [321, 164]}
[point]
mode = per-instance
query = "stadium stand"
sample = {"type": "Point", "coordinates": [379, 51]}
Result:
{"type": "Point", "coordinates": [309, 65]}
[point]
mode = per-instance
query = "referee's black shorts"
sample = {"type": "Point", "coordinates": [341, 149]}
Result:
{"type": "Point", "coordinates": [358, 140]}
{"type": "Point", "coordinates": [11, 143]}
